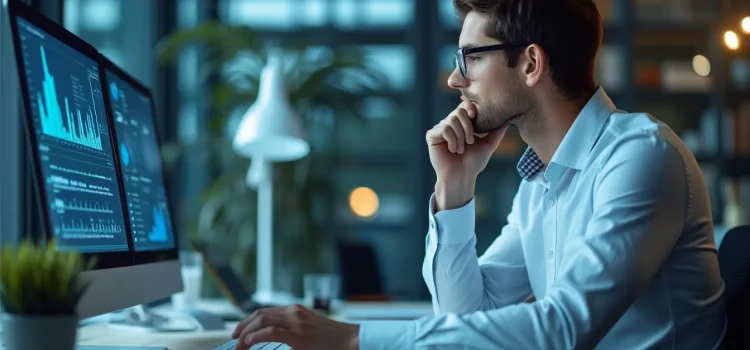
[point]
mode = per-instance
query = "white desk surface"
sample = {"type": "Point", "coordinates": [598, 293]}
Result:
{"type": "Point", "coordinates": [103, 334]}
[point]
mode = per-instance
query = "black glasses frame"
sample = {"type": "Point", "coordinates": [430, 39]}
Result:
{"type": "Point", "coordinates": [461, 53]}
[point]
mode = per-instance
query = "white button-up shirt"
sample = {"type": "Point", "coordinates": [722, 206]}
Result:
{"type": "Point", "coordinates": [614, 238]}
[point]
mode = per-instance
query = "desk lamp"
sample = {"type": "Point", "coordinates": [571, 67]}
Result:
{"type": "Point", "coordinates": [270, 131]}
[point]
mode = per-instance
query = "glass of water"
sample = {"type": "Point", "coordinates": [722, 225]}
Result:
{"type": "Point", "coordinates": [192, 279]}
{"type": "Point", "coordinates": [321, 290]}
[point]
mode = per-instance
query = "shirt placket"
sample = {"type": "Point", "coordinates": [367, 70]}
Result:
{"type": "Point", "coordinates": [550, 234]}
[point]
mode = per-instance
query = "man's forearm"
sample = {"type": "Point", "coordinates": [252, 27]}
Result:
{"type": "Point", "coordinates": [451, 267]}
{"type": "Point", "coordinates": [453, 193]}
{"type": "Point", "coordinates": [456, 277]}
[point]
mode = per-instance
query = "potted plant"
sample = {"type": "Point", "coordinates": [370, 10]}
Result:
{"type": "Point", "coordinates": [326, 86]}
{"type": "Point", "coordinates": [40, 289]}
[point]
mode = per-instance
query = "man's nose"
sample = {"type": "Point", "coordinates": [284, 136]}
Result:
{"type": "Point", "coordinates": [456, 80]}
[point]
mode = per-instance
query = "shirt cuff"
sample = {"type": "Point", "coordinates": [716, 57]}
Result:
{"type": "Point", "coordinates": [454, 226]}
{"type": "Point", "coordinates": [387, 335]}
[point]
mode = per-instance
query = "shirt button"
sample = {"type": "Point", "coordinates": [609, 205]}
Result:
{"type": "Point", "coordinates": [550, 202]}
{"type": "Point", "coordinates": [550, 253]}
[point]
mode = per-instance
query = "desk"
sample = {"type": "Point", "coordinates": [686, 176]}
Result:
{"type": "Point", "coordinates": [103, 334]}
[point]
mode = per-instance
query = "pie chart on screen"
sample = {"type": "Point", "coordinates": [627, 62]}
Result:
{"type": "Point", "coordinates": [124, 154]}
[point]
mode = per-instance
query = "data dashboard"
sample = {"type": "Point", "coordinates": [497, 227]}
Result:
{"type": "Point", "coordinates": [141, 165]}
{"type": "Point", "coordinates": [73, 141]}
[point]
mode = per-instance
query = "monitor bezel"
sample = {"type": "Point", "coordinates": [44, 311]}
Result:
{"type": "Point", "coordinates": [16, 10]}
{"type": "Point", "coordinates": [105, 64]}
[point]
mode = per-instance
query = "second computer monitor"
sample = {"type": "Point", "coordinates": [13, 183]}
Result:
{"type": "Point", "coordinates": [141, 161]}
{"type": "Point", "coordinates": [132, 108]}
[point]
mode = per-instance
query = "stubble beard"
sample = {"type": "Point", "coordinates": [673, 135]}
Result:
{"type": "Point", "coordinates": [494, 115]}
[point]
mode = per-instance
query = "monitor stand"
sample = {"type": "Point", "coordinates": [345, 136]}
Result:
{"type": "Point", "coordinates": [142, 318]}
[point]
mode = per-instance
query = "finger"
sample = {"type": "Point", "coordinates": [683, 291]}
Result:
{"type": "Point", "coordinates": [264, 321]}
{"type": "Point", "coordinates": [243, 324]}
{"type": "Point", "coordinates": [470, 108]}
{"type": "Point", "coordinates": [466, 126]}
{"type": "Point", "coordinates": [254, 315]}
{"type": "Point", "coordinates": [434, 136]}
{"type": "Point", "coordinates": [447, 135]}
{"type": "Point", "coordinates": [267, 334]}
{"type": "Point", "coordinates": [455, 125]}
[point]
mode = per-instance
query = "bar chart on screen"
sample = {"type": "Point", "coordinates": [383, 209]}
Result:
{"type": "Point", "coordinates": [78, 123]}
{"type": "Point", "coordinates": [73, 144]}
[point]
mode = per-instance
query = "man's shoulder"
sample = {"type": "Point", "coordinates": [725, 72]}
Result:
{"type": "Point", "coordinates": [638, 135]}
{"type": "Point", "coordinates": [625, 124]}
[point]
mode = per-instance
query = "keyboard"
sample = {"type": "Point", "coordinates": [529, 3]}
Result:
{"type": "Point", "coordinates": [262, 346]}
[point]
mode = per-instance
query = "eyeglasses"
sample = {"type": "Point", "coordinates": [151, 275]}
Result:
{"type": "Point", "coordinates": [461, 53]}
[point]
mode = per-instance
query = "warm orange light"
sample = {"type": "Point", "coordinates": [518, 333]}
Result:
{"type": "Point", "coordinates": [732, 40]}
{"type": "Point", "coordinates": [746, 25]}
{"type": "Point", "coordinates": [364, 202]}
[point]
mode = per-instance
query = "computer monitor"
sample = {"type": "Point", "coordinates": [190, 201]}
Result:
{"type": "Point", "coordinates": [86, 205]}
{"type": "Point", "coordinates": [139, 148]}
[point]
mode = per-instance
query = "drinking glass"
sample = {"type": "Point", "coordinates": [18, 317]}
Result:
{"type": "Point", "coordinates": [320, 291]}
{"type": "Point", "coordinates": [192, 279]}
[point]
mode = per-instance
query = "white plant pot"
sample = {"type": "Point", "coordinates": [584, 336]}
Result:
{"type": "Point", "coordinates": [32, 332]}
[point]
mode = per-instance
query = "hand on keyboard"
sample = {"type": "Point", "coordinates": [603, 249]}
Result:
{"type": "Point", "coordinates": [298, 327]}
{"type": "Point", "coordinates": [262, 346]}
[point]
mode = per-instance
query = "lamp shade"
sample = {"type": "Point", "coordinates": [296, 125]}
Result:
{"type": "Point", "coordinates": [271, 129]}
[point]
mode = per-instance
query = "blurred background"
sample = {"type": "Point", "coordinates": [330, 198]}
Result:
{"type": "Point", "coordinates": [372, 82]}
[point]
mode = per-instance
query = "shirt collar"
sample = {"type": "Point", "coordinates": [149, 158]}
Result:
{"type": "Point", "coordinates": [578, 141]}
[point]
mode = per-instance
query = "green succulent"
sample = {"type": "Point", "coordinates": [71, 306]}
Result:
{"type": "Point", "coordinates": [38, 280]}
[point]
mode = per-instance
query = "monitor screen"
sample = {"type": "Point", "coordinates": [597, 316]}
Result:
{"type": "Point", "coordinates": [140, 160]}
{"type": "Point", "coordinates": [76, 159]}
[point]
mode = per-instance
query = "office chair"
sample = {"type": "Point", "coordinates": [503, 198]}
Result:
{"type": "Point", "coordinates": [734, 262]}
{"type": "Point", "coordinates": [360, 273]}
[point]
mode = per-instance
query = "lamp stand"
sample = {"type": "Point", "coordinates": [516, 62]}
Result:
{"type": "Point", "coordinates": [260, 175]}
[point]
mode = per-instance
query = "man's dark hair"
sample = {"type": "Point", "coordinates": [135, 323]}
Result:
{"type": "Point", "coordinates": [569, 31]}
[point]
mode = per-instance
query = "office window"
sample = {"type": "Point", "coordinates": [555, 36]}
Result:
{"type": "Point", "coordinates": [279, 14]}
{"type": "Point", "coordinates": [396, 62]}
{"type": "Point", "coordinates": [448, 14]}
{"type": "Point", "coordinates": [447, 59]}
{"type": "Point", "coordinates": [188, 13]}
{"type": "Point", "coordinates": [290, 14]}
{"type": "Point", "coordinates": [388, 130]}
{"type": "Point", "coordinates": [92, 15]}
{"type": "Point", "coordinates": [358, 13]}
{"type": "Point", "coordinates": [124, 31]}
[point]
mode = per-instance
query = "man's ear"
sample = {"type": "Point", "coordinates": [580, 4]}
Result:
{"type": "Point", "coordinates": [535, 62]}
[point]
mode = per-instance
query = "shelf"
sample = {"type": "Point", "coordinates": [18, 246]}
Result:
{"type": "Point", "coordinates": [736, 166]}
{"type": "Point", "coordinates": [658, 96]}
{"type": "Point", "coordinates": [671, 34]}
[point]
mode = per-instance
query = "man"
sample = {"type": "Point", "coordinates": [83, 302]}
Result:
{"type": "Point", "coordinates": [610, 229]}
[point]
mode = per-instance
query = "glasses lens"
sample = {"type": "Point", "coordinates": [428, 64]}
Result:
{"type": "Point", "coordinates": [460, 63]}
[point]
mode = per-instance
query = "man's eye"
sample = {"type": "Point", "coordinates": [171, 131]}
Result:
{"type": "Point", "coordinates": [473, 58]}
